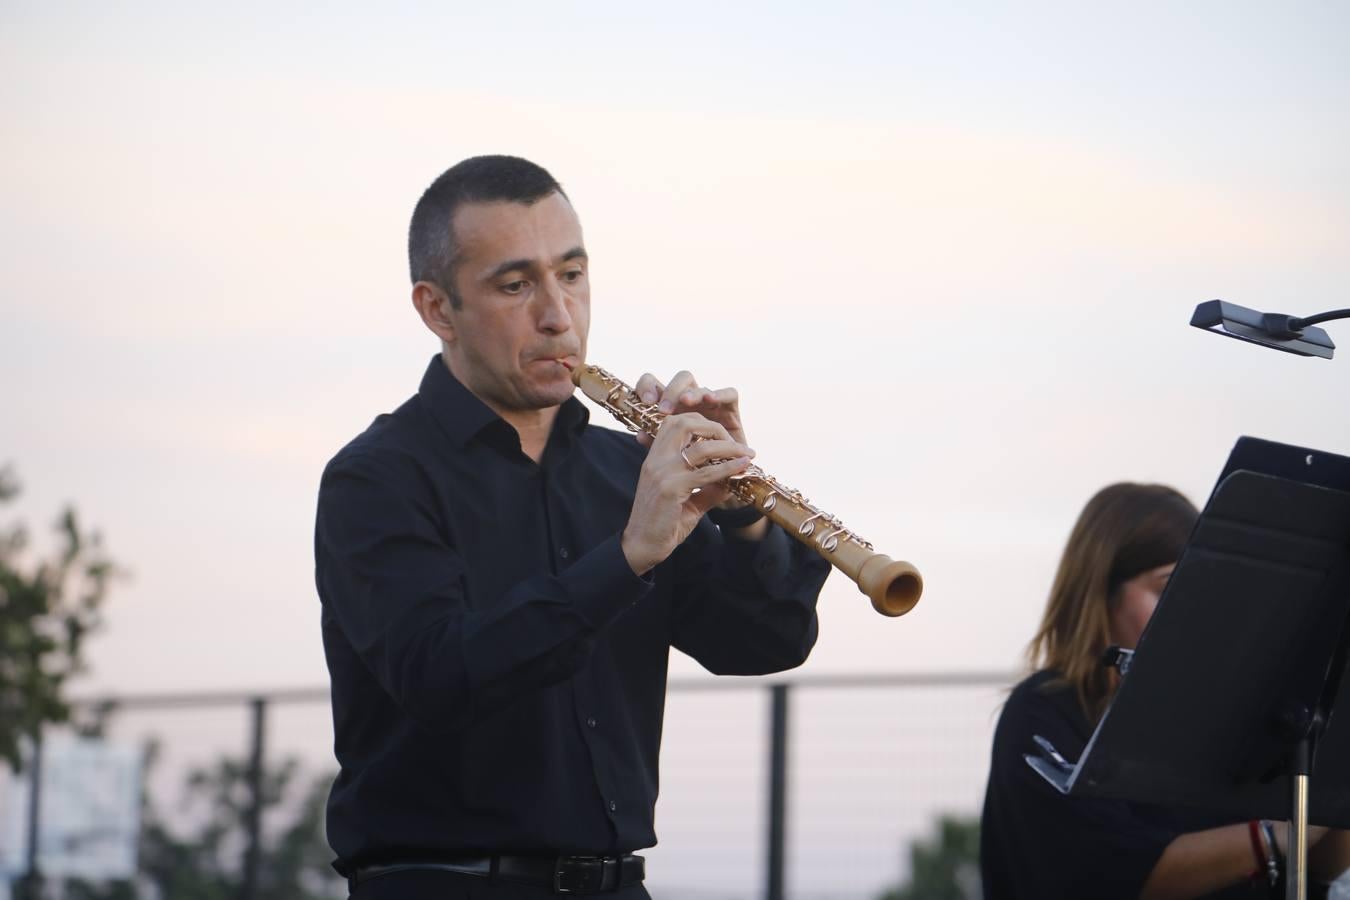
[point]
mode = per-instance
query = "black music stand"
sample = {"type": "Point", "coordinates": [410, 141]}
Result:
{"type": "Point", "coordinates": [1231, 703]}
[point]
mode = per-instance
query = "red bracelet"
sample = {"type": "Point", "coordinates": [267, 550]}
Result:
{"type": "Point", "coordinates": [1258, 849]}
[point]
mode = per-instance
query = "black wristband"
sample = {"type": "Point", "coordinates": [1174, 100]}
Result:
{"type": "Point", "coordinates": [743, 517]}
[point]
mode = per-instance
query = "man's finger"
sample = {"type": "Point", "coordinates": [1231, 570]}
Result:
{"type": "Point", "coordinates": [708, 497]}
{"type": "Point", "coordinates": [683, 426]}
{"type": "Point", "coordinates": [648, 388]}
{"type": "Point", "coordinates": [724, 397]}
{"type": "Point", "coordinates": [682, 381]}
{"type": "Point", "coordinates": [716, 472]}
{"type": "Point", "coordinates": [700, 453]}
{"type": "Point", "coordinates": [696, 398]}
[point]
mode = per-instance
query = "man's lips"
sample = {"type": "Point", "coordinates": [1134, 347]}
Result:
{"type": "Point", "coordinates": [566, 360]}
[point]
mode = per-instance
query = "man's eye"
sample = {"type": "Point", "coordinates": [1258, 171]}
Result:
{"type": "Point", "coordinates": [513, 287]}
{"type": "Point", "coordinates": [572, 276]}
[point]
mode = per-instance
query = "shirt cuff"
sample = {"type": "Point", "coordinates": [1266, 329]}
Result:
{"type": "Point", "coordinates": [602, 584]}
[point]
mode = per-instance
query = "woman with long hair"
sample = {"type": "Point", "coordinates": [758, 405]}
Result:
{"type": "Point", "coordinates": [1038, 844]}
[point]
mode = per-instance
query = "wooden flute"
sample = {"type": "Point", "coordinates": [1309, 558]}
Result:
{"type": "Point", "coordinates": [892, 585]}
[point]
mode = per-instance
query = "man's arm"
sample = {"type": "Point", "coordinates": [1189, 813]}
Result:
{"type": "Point", "coordinates": [396, 586]}
{"type": "Point", "coordinates": [745, 604]}
{"type": "Point", "coordinates": [746, 607]}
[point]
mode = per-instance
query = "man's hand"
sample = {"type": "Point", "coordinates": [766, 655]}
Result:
{"type": "Point", "coordinates": [679, 482]}
{"type": "Point", "coordinates": [722, 406]}
{"type": "Point", "coordinates": [684, 395]}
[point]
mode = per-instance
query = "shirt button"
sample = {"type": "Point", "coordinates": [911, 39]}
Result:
{"type": "Point", "coordinates": [562, 551]}
{"type": "Point", "coordinates": [613, 806]}
{"type": "Point", "coordinates": [590, 723]}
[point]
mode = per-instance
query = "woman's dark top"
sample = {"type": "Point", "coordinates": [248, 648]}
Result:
{"type": "Point", "coordinates": [1038, 844]}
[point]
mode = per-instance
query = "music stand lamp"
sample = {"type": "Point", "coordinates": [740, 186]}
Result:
{"type": "Point", "coordinates": [1276, 330]}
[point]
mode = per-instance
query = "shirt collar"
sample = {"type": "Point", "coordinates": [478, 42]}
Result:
{"type": "Point", "coordinates": [462, 416]}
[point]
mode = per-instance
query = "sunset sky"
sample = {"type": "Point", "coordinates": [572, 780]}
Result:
{"type": "Point", "coordinates": [947, 252]}
{"type": "Point", "coordinates": [948, 257]}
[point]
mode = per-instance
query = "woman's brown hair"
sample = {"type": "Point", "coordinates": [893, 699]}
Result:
{"type": "Point", "coordinates": [1124, 530]}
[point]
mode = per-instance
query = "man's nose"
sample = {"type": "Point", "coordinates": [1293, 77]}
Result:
{"type": "Point", "coordinates": [553, 314]}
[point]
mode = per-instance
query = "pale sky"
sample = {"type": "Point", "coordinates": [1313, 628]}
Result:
{"type": "Point", "coordinates": [948, 257]}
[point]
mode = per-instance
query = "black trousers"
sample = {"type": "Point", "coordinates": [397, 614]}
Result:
{"type": "Point", "coordinates": [453, 886]}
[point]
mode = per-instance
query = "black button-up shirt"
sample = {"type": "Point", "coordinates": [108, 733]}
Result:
{"type": "Point", "coordinates": [498, 670]}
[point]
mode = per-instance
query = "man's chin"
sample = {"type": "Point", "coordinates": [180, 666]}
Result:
{"type": "Point", "coordinates": [542, 396]}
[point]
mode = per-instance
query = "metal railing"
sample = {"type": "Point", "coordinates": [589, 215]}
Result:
{"type": "Point", "coordinates": [779, 693]}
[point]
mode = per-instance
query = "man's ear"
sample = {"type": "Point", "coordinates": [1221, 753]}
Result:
{"type": "Point", "coordinates": [433, 305]}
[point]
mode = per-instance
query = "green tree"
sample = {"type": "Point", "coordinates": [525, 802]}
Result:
{"type": "Point", "coordinates": [47, 607]}
{"type": "Point", "coordinates": [943, 867]}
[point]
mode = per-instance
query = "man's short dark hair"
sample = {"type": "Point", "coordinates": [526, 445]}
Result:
{"type": "Point", "coordinates": [432, 252]}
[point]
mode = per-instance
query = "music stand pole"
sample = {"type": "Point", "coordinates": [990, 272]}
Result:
{"type": "Point", "coordinates": [1296, 863]}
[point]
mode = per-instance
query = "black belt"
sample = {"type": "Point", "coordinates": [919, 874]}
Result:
{"type": "Point", "coordinates": [563, 874]}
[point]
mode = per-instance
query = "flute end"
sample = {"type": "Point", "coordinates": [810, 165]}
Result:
{"type": "Point", "coordinates": [894, 586]}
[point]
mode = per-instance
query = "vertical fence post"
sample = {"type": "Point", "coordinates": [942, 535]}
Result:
{"type": "Point", "coordinates": [253, 816]}
{"type": "Point", "coordinates": [30, 886]}
{"type": "Point", "coordinates": [778, 740]}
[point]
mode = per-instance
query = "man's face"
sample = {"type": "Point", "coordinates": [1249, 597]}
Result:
{"type": "Point", "coordinates": [522, 276]}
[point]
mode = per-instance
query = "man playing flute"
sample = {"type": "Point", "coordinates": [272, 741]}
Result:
{"type": "Point", "coordinates": [501, 581]}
